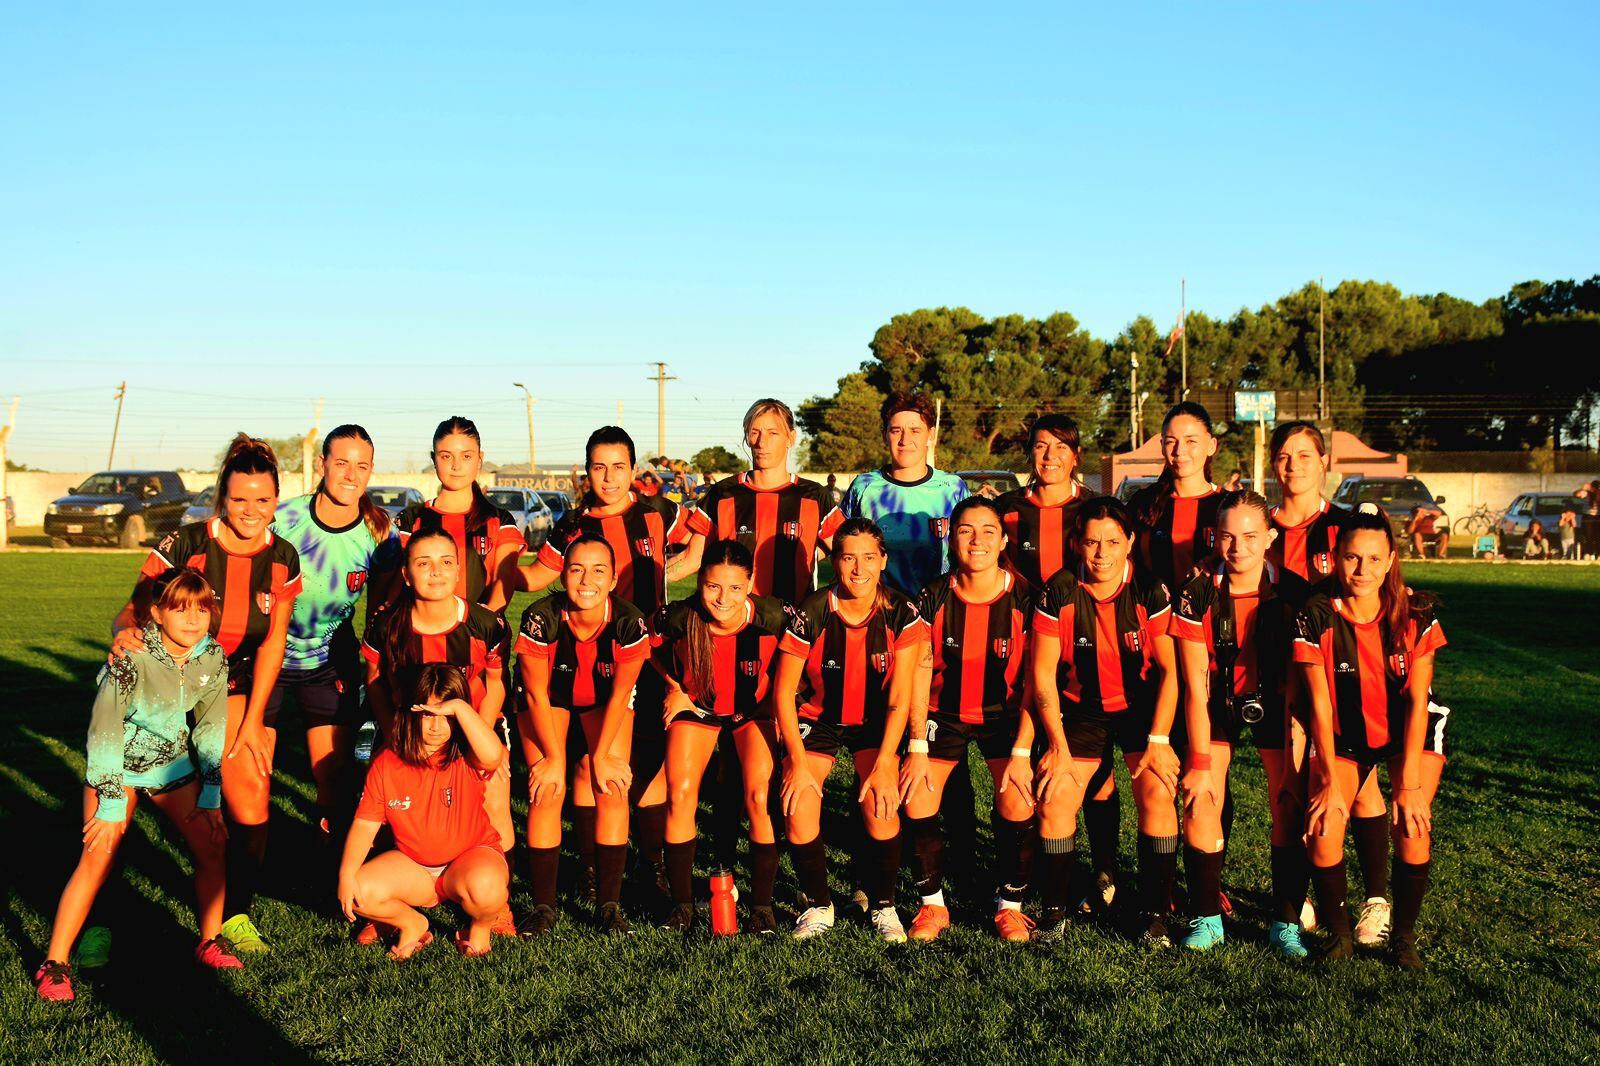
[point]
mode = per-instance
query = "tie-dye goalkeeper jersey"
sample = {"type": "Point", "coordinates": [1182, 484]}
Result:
{"type": "Point", "coordinates": [334, 567]}
{"type": "Point", "coordinates": [915, 519]}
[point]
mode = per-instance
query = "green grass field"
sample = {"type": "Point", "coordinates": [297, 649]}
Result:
{"type": "Point", "coordinates": [1510, 931]}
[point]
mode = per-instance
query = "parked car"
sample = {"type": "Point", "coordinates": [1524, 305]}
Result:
{"type": "Point", "coordinates": [1131, 485]}
{"type": "Point", "coordinates": [558, 502]}
{"type": "Point", "coordinates": [989, 483]}
{"type": "Point", "coordinates": [120, 507]}
{"type": "Point", "coordinates": [203, 507]}
{"type": "Point", "coordinates": [1397, 497]}
{"type": "Point", "coordinates": [393, 498]}
{"type": "Point", "coordinates": [528, 508]}
{"type": "Point", "coordinates": [1545, 506]}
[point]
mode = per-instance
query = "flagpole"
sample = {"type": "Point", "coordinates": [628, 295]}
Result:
{"type": "Point", "coordinates": [1183, 336]}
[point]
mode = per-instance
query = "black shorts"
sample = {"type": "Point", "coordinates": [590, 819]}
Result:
{"type": "Point", "coordinates": [948, 737]}
{"type": "Point", "coordinates": [1227, 728]}
{"type": "Point", "coordinates": [1092, 733]}
{"type": "Point", "coordinates": [705, 719]}
{"type": "Point", "coordinates": [826, 738]}
{"type": "Point", "coordinates": [649, 753]}
{"type": "Point", "coordinates": [241, 673]}
{"type": "Point", "coordinates": [1438, 719]}
{"type": "Point", "coordinates": [326, 695]}
{"type": "Point", "coordinates": [1432, 742]}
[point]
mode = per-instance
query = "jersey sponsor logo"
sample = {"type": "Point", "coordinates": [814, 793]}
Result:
{"type": "Point", "coordinates": [950, 641]}
{"type": "Point", "coordinates": [565, 668]}
{"type": "Point", "coordinates": [354, 580]}
{"type": "Point", "coordinates": [743, 530]}
{"type": "Point", "coordinates": [832, 664]}
{"type": "Point", "coordinates": [1028, 546]}
{"type": "Point", "coordinates": [264, 601]}
{"type": "Point", "coordinates": [402, 804]}
{"type": "Point", "coordinates": [750, 667]}
{"type": "Point", "coordinates": [644, 545]}
{"type": "Point", "coordinates": [791, 530]}
{"type": "Point", "coordinates": [1002, 647]}
{"type": "Point", "coordinates": [1083, 642]}
{"type": "Point", "coordinates": [1345, 668]}
{"type": "Point", "coordinates": [939, 527]}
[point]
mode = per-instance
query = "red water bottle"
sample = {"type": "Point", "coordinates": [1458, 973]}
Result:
{"type": "Point", "coordinates": [724, 911]}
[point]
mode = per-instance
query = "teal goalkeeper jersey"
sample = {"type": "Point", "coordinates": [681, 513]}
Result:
{"type": "Point", "coordinates": [915, 519]}
{"type": "Point", "coordinates": [334, 567]}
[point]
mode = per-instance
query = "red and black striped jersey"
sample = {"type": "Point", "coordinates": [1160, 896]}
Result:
{"type": "Point", "coordinates": [1262, 627]}
{"type": "Point", "coordinates": [848, 667]}
{"type": "Point", "coordinates": [782, 528]}
{"type": "Point", "coordinates": [741, 661]}
{"type": "Point", "coordinates": [1038, 538]}
{"type": "Point", "coordinates": [1107, 646]}
{"type": "Point", "coordinates": [1366, 683]}
{"type": "Point", "coordinates": [638, 536]}
{"type": "Point", "coordinates": [476, 541]}
{"type": "Point", "coordinates": [1307, 549]}
{"type": "Point", "coordinates": [476, 644]}
{"type": "Point", "coordinates": [583, 672]}
{"type": "Point", "coordinates": [1183, 534]}
{"type": "Point", "coordinates": [979, 649]}
{"type": "Point", "coordinates": [247, 586]}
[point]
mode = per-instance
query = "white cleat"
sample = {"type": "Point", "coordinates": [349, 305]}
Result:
{"type": "Point", "coordinates": [1372, 930]}
{"type": "Point", "coordinates": [886, 920]}
{"type": "Point", "coordinates": [814, 922]}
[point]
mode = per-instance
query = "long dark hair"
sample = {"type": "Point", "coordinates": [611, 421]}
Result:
{"type": "Point", "coordinates": [435, 681]}
{"type": "Point", "coordinates": [863, 527]}
{"type": "Point", "coordinates": [481, 508]}
{"type": "Point", "coordinates": [397, 634]}
{"type": "Point", "coordinates": [699, 651]}
{"type": "Point", "coordinates": [1166, 484]}
{"type": "Point", "coordinates": [375, 517]}
{"type": "Point", "coordinates": [1399, 603]}
{"type": "Point", "coordinates": [246, 455]}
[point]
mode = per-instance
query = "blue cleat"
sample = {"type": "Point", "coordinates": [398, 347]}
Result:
{"type": "Point", "coordinates": [1284, 937]}
{"type": "Point", "coordinates": [1204, 933]}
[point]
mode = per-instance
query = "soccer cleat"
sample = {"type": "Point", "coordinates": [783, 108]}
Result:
{"type": "Point", "coordinates": [814, 921]}
{"type": "Point", "coordinates": [1284, 938]}
{"type": "Point", "coordinates": [1013, 926]}
{"type": "Point", "coordinates": [1155, 936]}
{"type": "Point", "coordinates": [612, 920]}
{"type": "Point", "coordinates": [1205, 933]}
{"type": "Point", "coordinates": [1308, 916]}
{"type": "Point", "coordinates": [244, 936]}
{"type": "Point", "coordinates": [929, 922]}
{"type": "Point", "coordinates": [680, 919]}
{"type": "Point", "coordinates": [1403, 953]}
{"type": "Point", "coordinates": [1372, 928]}
{"type": "Point", "coordinates": [504, 923]}
{"type": "Point", "coordinates": [1052, 926]}
{"type": "Point", "coordinates": [540, 920]}
{"type": "Point", "coordinates": [586, 888]}
{"type": "Point", "coordinates": [1336, 949]}
{"type": "Point", "coordinates": [53, 980]}
{"type": "Point", "coordinates": [217, 954]}
{"type": "Point", "coordinates": [886, 920]}
{"type": "Point", "coordinates": [762, 921]}
{"type": "Point", "coordinates": [94, 948]}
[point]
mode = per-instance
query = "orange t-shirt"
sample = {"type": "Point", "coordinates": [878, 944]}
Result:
{"type": "Point", "coordinates": [435, 812]}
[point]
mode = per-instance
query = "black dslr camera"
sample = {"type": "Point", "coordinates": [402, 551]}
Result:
{"type": "Point", "coordinates": [1245, 708]}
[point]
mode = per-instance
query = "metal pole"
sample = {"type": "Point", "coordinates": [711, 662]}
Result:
{"type": "Point", "coordinates": [5, 435]}
{"type": "Point", "coordinates": [1322, 384]}
{"type": "Point", "coordinates": [1183, 332]}
{"type": "Point", "coordinates": [1133, 400]}
{"type": "Point", "coordinates": [661, 379]}
{"type": "Point", "coordinates": [938, 420]}
{"type": "Point", "coordinates": [122, 390]}
{"type": "Point", "coordinates": [532, 470]}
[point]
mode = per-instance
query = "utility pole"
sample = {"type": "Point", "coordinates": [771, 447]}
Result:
{"type": "Point", "coordinates": [661, 377]}
{"type": "Point", "coordinates": [1183, 332]}
{"type": "Point", "coordinates": [1133, 400]}
{"type": "Point", "coordinates": [938, 420]}
{"type": "Point", "coordinates": [5, 435]}
{"type": "Point", "coordinates": [533, 471]}
{"type": "Point", "coordinates": [619, 413]}
{"type": "Point", "coordinates": [308, 451]}
{"type": "Point", "coordinates": [122, 390]}
{"type": "Point", "coordinates": [1322, 382]}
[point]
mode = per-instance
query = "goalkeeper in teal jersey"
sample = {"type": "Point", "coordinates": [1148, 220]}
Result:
{"type": "Point", "coordinates": [343, 539]}
{"type": "Point", "coordinates": [908, 499]}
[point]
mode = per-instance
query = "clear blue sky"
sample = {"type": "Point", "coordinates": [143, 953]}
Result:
{"type": "Point", "coordinates": [403, 211]}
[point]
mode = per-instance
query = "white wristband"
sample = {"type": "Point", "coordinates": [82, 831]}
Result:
{"type": "Point", "coordinates": [1021, 753]}
{"type": "Point", "coordinates": [916, 747]}
{"type": "Point", "coordinates": [1159, 738]}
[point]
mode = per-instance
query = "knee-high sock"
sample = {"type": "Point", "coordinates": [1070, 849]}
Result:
{"type": "Point", "coordinates": [1333, 904]}
{"type": "Point", "coordinates": [885, 872]}
{"type": "Point", "coordinates": [609, 862]}
{"type": "Point", "coordinates": [1410, 885]}
{"type": "Point", "coordinates": [927, 850]}
{"type": "Point", "coordinates": [539, 868]}
{"type": "Point", "coordinates": [1371, 836]}
{"type": "Point", "coordinates": [1013, 856]}
{"type": "Point", "coordinates": [1103, 820]}
{"type": "Point", "coordinates": [247, 849]}
{"type": "Point", "coordinates": [1060, 871]}
{"type": "Point", "coordinates": [1204, 870]}
{"type": "Point", "coordinates": [763, 873]}
{"type": "Point", "coordinates": [680, 870]}
{"type": "Point", "coordinates": [650, 833]}
{"type": "Point", "coordinates": [583, 836]}
{"type": "Point", "coordinates": [811, 867]}
{"type": "Point", "coordinates": [1158, 869]}
{"type": "Point", "coordinates": [958, 809]}
{"type": "Point", "coordinates": [1291, 873]}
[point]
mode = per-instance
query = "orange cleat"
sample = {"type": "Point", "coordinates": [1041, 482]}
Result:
{"type": "Point", "coordinates": [1013, 926]}
{"type": "Point", "coordinates": [930, 922]}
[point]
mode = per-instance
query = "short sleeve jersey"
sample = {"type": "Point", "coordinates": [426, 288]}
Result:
{"type": "Point", "coordinates": [638, 536]}
{"type": "Point", "coordinates": [1366, 682]}
{"type": "Point", "coordinates": [1107, 646]}
{"type": "Point", "coordinates": [476, 644]}
{"type": "Point", "coordinates": [583, 672]}
{"type": "Point", "coordinates": [741, 661]}
{"type": "Point", "coordinates": [335, 563]}
{"type": "Point", "coordinates": [781, 526]}
{"type": "Point", "coordinates": [1183, 534]}
{"type": "Point", "coordinates": [475, 540]}
{"type": "Point", "coordinates": [1259, 627]}
{"type": "Point", "coordinates": [979, 649]}
{"type": "Point", "coordinates": [248, 587]}
{"type": "Point", "coordinates": [435, 811]}
{"type": "Point", "coordinates": [915, 519]}
{"type": "Point", "coordinates": [1307, 549]}
{"type": "Point", "coordinates": [849, 667]}
{"type": "Point", "coordinates": [1038, 538]}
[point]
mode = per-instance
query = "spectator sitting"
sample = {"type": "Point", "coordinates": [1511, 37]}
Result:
{"type": "Point", "coordinates": [1536, 545]}
{"type": "Point", "coordinates": [1424, 521]}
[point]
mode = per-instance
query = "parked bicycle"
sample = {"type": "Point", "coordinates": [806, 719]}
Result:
{"type": "Point", "coordinates": [1480, 520]}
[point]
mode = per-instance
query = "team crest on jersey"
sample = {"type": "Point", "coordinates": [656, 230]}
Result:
{"type": "Point", "coordinates": [1398, 664]}
{"type": "Point", "coordinates": [1133, 641]}
{"type": "Point", "coordinates": [750, 667]}
{"type": "Point", "coordinates": [1210, 537]}
{"type": "Point", "coordinates": [939, 527]}
{"type": "Point", "coordinates": [644, 545]}
{"type": "Point", "coordinates": [354, 581]}
{"type": "Point", "coordinates": [1322, 562]}
{"type": "Point", "coordinates": [480, 543]}
{"type": "Point", "coordinates": [1002, 647]}
{"type": "Point", "coordinates": [880, 661]}
{"type": "Point", "coordinates": [447, 796]}
{"type": "Point", "coordinates": [607, 670]}
{"type": "Point", "coordinates": [791, 530]}
{"type": "Point", "coordinates": [264, 601]}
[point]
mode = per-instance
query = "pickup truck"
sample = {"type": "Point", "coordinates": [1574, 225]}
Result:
{"type": "Point", "coordinates": [125, 508]}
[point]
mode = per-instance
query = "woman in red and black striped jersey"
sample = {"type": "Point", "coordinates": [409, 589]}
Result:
{"type": "Point", "coordinates": [844, 679]}
{"type": "Point", "coordinates": [1234, 624]}
{"type": "Point", "coordinates": [1104, 673]}
{"type": "Point", "coordinates": [1366, 648]}
{"type": "Point", "coordinates": [579, 652]}
{"type": "Point", "coordinates": [429, 622]}
{"type": "Point", "coordinates": [971, 688]}
{"type": "Point", "coordinates": [256, 577]}
{"type": "Point", "coordinates": [781, 518]}
{"type": "Point", "coordinates": [1179, 512]}
{"type": "Point", "coordinates": [486, 536]}
{"type": "Point", "coordinates": [717, 652]}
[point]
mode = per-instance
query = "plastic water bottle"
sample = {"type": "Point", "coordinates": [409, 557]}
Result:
{"type": "Point", "coordinates": [724, 911]}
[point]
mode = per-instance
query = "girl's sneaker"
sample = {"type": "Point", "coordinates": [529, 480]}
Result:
{"type": "Point", "coordinates": [242, 933]}
{"type": "Point", "coordinates": [217, 954]}
{"type": "Point", "coordinates": [886, 920]}
{"type": "Point", "coordinates": [1284, 938]}
{"type": "Point", "coordinates": [1012, 925]}
{"type": "Point", "coordinates": [814, 922]}
{"type": "Point", "coordinates": [930, 922]}
{"type": "Point", "coordinates": [53, 980]}
{"type": "Point", "coordinates": [1204, 933]}
{"type": "Point", "coordinates": [94, 948]}
{"type": "Point", "coordinates": [1372, 928]}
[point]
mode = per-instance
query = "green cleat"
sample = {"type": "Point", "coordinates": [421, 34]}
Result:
{"type": "Point", "coordinates": [244, 936]}
{"type": "Point", "coordinates": [1284, 938]}
{"type": "Point", "coordinates": [1204, 933]}
{"type": "Point", "coordinates": [94, 948]}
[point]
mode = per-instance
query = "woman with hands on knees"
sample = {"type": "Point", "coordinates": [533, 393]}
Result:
{"type": "Point", "coordinates": [427, 785]}
{"type": "Point", "coordinates": [845, 675]}
{"type": "Point", "coordinates": [1104, 673]}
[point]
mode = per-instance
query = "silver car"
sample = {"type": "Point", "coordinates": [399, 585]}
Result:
{"type": "Point", "coordinates": [203, 507]}
{"type": "Point", "coordinates": [528, 508]}
{"type": "Point", "coordinates": [393, 498]}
